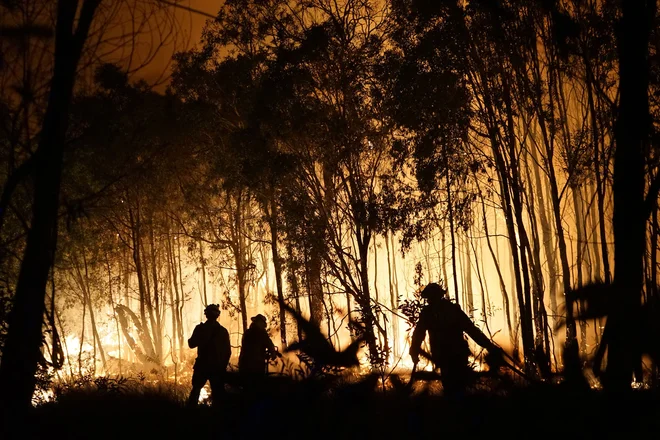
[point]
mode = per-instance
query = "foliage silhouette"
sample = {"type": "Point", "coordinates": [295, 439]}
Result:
{"type": "Point", "coordinates": [598, 300]}
{"type": "Point", "coordinates": [341, 411]}
{"type": "Point", "coordinates": [316, 345]}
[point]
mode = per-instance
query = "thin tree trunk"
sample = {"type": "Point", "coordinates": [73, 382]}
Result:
{"type": "Point", "coordinates": [157, 329]}
{"type": "Point", "coordinates": [315, 288]}
{"type": "Point", "coordinates": [593, 239]}
{"type": "Point", "coordinates": [180, 301]}
{"type": "Point", "coordinates": [82, 337]}
{"type": "Point", "coordinates": [534, 250]}
{"type": "Point", "coordinates": [95, 333]}
{"type": "Point", "coordinates": [503, 290]}
{"type": "Point", "coordinates": [546, 231]}
{"type": "Point", "coordinates": [277, 264]}
{"type": "Point", "coordinates": [239, 251]}
{"type": "Point", "coordinates": [142, 289]}
{"type": "Point", "coordinates": [467, 282]}
{"type": "Point", "coordinates": [114, 312]}
{"type": "Point", "coordinates": [443, 255]}
{"type": "Point", "coordinates": [21, 352]}
{"type": "Point", "coordinates": [171, 287]}
{"type": "Point", "coordinates": [598, 168]}
{"type": "Point", "coordinates": [364, 297]}
{"type": "Point", "coordinates": [548, 143]}
{"type": "Point", "coordinates": [394, 303]}
{"type": "Point", "coordinates": [451, 230]}
{"type": "Point", "coordinates": [578, 262]}
{"type": "Point", "coordinates": [202, 262]}
{"type": "Point", "coordinates": [485, 303]}
{"type": "Point", "coordinates": [516, 199]}
{"type": "Point", "coordinates": [64, 343]}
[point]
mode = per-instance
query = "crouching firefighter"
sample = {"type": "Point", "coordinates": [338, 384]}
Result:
{"type": "Point", "coordinates": [446, 325]}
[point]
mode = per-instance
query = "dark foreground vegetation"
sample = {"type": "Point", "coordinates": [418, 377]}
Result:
{"type": "Point", "coordinates": [346, 410]}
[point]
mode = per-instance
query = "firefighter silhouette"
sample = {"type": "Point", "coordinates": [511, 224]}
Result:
{"type": "Point", "coordinates": [446, 325]}
{"type": "Point", "coordinates": [213, 352]}
{"type": "Point", "coordinates": [256, 348]}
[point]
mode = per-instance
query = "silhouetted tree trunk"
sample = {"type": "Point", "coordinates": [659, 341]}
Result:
{"type": "Point", "coordinates": [22, 349]}
{"type": "Point", "coordinates": [114, 311]}
{"type": "Point", "coordinates": [452, 237]}
{"type": "Point", "coordinates": [181, 301]}
{"type": "Point", "coordinates": [292, 277]}
{"type": "Point", "coordinates": [173, 290]}
{"type": "Point", "coordinates": [547, 236]}
{"type": "Point", "coordinates": [629, 217]}
{"type": "Point", "coordinates": [443, 255]}
{"type": "Point", "coordinates": [598, 169]}
{"type": "Point", "coordinates": [518, 268]}
{"type": "Point", "coordinates": [315, 287]}
{"type": "Point", "coordinates": [316, 249]}
{"type": "Point", "coordinates": [549, 161]}
{"type": "Point", "coordinates": [468, 294]}
{"type": "Point", "coordinates": [239, 249]}
{"type": "Point", "coordinates": [143, 289]}
{"type": "Point", "coordinates": [83, 281]}
{"type": "Point", "coordinates": [542, 343]}
{"type": "Point", "coordinates": [364, 298]}
{"type": "Point", "coordinates": [591, 246]}
{"type": "Point", "coordinates": [579, 259]}
{"type": "Point", "coordinates": [82, 339]}
{"type": "Point", "coordinates": [394, 303]}
{"type": "Point", "coordinates": [503, 290]}
{"type": "Point", "coordinates": [272, 217]}
{"type": "Point", "coordinates": [202, 262]}
{"type": "Point", "coordinates": [157, 329]}
{"type": "Point", "coordinates": [124, 314]}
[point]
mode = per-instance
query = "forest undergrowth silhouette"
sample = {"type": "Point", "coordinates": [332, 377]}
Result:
{"type": "Point", "coordinates": [326, 398]}
{"type": "Point", "coordinates": [344, 406]}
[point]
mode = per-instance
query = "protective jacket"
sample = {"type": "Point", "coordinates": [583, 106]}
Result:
{"type": "Point", "coordinates": [446, 324]}
{"type": "Point", "coordinates": [255, 348]}
{"type": "Point", "coordinates": [213, 347]}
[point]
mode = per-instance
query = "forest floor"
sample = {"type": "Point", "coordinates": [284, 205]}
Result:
{"type": "Point", "coordinates": [309, 410]}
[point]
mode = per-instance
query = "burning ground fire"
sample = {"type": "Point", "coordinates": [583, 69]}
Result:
{"type": "Point", "coordinates": [80, 363]}
{"type": "Point", "coordinates": [123, 338]}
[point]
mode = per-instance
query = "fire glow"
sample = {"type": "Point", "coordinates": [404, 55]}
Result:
{"type": "Point", "coordinates": [83, 351]}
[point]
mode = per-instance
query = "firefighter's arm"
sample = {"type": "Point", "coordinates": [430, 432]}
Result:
{"type": "Point", "coordinates": [269, 343]}
{"type": "Point", "coordinates": [226, 348]}
{"type": "Point", "coordinates": [193, 342]}
{"type": "Point", "coordinates": [418, 337]}
{"type": "Point", "coordinates": [477, 335]}
{"type": "Point", "coordinates": [270, 347]}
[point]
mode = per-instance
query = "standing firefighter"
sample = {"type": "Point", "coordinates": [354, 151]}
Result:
{"type": "Point", "coordinates": [446, 324]}
{"type": "Point", "coordinates": [213, 353]}
{"type": "Point", "coordinates": [256, 350]}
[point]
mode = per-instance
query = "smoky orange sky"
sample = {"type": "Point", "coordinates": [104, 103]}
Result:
{"type": "Point", "coordinates": [195, 21]}
{"type": "Point", "coordinates": [191, 26]}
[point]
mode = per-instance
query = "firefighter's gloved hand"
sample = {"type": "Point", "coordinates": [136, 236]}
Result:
{"type": "Point", "coordinates": [495, 358]}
